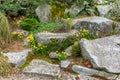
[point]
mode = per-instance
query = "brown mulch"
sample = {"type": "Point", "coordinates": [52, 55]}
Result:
{"type": "Point", "coordinates": [15, 46]}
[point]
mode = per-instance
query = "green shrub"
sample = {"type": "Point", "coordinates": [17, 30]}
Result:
{"type": "Point", "coordinates": [10, 7]}
{"type": "Point", "coordinates": [76, 49]}
{"type": "Point", "coordinates": [5, 31]}
{"type": "Point", "coordinates": [30, 6]}
{"type": "Point", "coordinates": [29, 24]}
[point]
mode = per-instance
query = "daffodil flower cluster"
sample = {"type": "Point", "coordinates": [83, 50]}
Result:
{"type": "Point", "coordinates": [17, 35]}
{"type": "Point", "coordinates": [64, 53]}
{"type": "Point", "coordinates": [31, 37]}
{"type": "Point", "coordinates": [84, 33]}
{"type": "Point", "coordinates": [37, 46]}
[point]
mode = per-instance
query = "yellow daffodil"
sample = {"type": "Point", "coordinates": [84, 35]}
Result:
{"type": "Point", "coordinates": [68, 19]}
{"type": "Point", "coordinates": [31, 37]}
{"type": "Point", "coordinates": [14, 33]}
{"type": "Point", "coordinates": [85, 31]}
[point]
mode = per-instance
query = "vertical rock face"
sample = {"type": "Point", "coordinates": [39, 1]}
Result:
{"type": "Point", "coordinates": [43, 69]}
{"type": "Point", "coordinates": [104, 53]}
{"type": "Point", "coordinates": [95, 25]}
{"type": "Point", "coordinates": [44, 13]}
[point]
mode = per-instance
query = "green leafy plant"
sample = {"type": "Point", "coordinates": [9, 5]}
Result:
{"type": "Point", "coordinates": [62, 57]}
{"type": "Point", "coordinates": [30, 24]}
{"type": "Point", "coordinates": [5, 31]}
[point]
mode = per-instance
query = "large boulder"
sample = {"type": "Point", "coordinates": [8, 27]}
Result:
{"type": "Point", "coordinates": [104, 53]}
{"type": "Point", "coordinates": [95, 25]}
{"type": "Point", "coordinates": [18, 58]}
{"type": "Point", "coordinates": [45, 38]}
{"type": "Point", "coordinates": [42, 69]}
{"type": "Point", "coordinates": [44, 13]}
{"type": "Point", "coordinates": [91, 72]}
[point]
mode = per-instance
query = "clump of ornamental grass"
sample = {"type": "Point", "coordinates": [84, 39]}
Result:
{"type": "Point", "coordinates": [5, 32]}
{"type": "Point", "coordinates": [5, 66]}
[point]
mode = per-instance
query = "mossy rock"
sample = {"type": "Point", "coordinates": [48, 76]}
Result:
{"type": "Point", "coordinates": [30, 57]}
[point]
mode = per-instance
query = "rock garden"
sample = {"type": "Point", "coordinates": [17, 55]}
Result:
{"type": "Point", "coordinates": [60, 40]}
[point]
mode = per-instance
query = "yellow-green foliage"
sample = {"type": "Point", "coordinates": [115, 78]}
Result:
{"type": "Point", "coordinates": [5, 33]}
{"type": "Point", "coordinates": [76, 49]}
{"type": "Point", "coordinates": [57, 11]}
{"type": "Point", "coordinates": [5, 67]}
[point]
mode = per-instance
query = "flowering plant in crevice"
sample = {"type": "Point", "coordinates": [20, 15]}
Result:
{"type": "Point", "coordinates": [17, 35]}
{"type": "Point", "coordinates": [84, 33]}
{"type": "Point", "coordinates": [63, 56]}
{"type": "Point", "coordinates": [37, 47]}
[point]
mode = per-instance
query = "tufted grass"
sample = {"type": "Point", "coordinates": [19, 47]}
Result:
{"type": "Point", "coordinates": [5, 32]}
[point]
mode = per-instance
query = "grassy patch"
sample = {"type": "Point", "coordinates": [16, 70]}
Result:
{"type": "Point", "coordinates": [5, 66]}
{"type": "Point", "coordinates": [50, 27]}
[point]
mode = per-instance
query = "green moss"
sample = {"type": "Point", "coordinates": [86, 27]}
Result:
{"type": "Point", "coordinates": [35, 56]}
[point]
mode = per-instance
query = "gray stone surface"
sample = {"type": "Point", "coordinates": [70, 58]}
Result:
{"type": "Point", "coordinates": [104, 53]}
{"type": "Point", "coordinates": [65, 64]}
{"type": "Point", "coordinates": [90, 72]}
{"type": "Point", "coordinates": [54, 55]}
{"type": "Point", "coordinates": [67, 76]}
{"type": "Point", "coordinates": [96, 25]}
{"type": "Point", "coordinates": [103, 9]}
{"type": "Point", "coordinates": [85, 77]}
{"type": "Point", "coordinates": [42, 68]}
{"type": "Point", "coordinates": [69, 51]}
{"type": "Point", "coordinates": [18, 58]}
{"type": "Point", "coordinates": [45, 38]}
{"type": "Point", "coordinates": [44, 13]}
